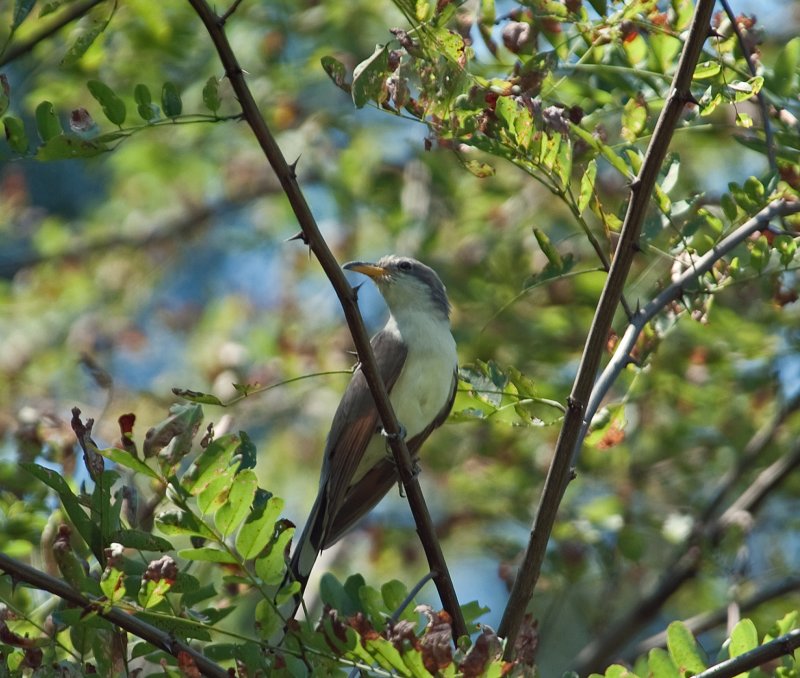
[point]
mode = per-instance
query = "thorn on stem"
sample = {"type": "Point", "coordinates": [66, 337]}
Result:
{"type": "Point", "coordinates": [689, 98]}
{"type": "Point", "coordinates": [293, 168]}
{"type": "Point", "coordinates": [356, 288]}
{"type": "Point", "coordinates": [300, 235]}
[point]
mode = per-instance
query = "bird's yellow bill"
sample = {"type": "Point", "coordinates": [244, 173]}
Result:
{"type": "Point", "coordinates": [370, 270]}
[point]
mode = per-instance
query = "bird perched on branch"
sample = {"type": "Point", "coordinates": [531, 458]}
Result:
{"type": "Point", "coordinates": [416, 357]}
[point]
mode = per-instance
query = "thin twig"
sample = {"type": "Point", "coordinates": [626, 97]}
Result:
{"type": "Point", "coordinates": [347, 298]}
{"type": "Point", "coordinates": [760, 97]}
{"type": "Point", "coordinates": [73, 12]}
{"type": "Point", "coordinates": [123, 619]}
{"type": "Point", "coordinates": [229, 12]}
{"type": "Point", "coordinates": [783, 645]}
{"type": "Point", "coordinates": [560, 471]}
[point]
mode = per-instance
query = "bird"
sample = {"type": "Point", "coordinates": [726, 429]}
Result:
{"type": "Point", "coordinates": [417, 360]}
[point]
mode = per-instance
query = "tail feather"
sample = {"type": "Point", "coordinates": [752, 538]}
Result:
{"type": "Point", "coordinates": [306, 552]}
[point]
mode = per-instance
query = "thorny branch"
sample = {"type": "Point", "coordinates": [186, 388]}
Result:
{"type": "Point", "coordinates": [313, 238]}
{"type": "Point", "coordinates": [561, 471]}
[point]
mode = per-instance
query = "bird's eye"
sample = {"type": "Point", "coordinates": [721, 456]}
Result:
{"type": "Point", "coordinates": [404, 265]}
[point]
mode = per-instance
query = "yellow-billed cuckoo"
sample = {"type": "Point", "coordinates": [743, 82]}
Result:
{"type": "Point", "coordinates": [416, 357]}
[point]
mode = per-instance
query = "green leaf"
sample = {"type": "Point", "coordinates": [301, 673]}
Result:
{"type": "Point", "coordinates": [634, 117]}
{"type": "Point", "coordinates": [77, 514]}
{"type": "Point", "coordinates": [126, 459]}
{"type": "Point", "coordinates": [15, 134]}
{"type": "Point", "coordinates": [47, 122]}
{"type": "Point", "coordinates": [66, 146]}
{"type": "Point", "coordinates": [759, 254]}
{"type": "Point", "coordinates": [207, 554]}
{"type": "Point", "coordinates": [336, 72]}
{"type": "Point", "coordinates": [82, 43]}
{"type": "Point", "coordinates": [141, 95]}
{"type": "Point", "coordinates": [786, 247]}
{"type": "Point", "coordinates": [212, 461]}
{"type": "Point", "coordinates": [707, 69]}
{"type": "Point", "coordinates": [683, 649]}
{"type": "Point", "coordinates": [236, 508]}
{"type": "Point", "coordinates": [215, 493]}
{"type": "Point", "coordinates": [587, 185]}
{"type": "Point", "coordinates": [755, 190]}
{"type": "Point", "coordinates": [728, 205]}
{"type": "Point", "coordinates": [473, 611]}
{"type": "Point", "coordinates": [394, 592]}
{"type": "Point", "coordinates": [50, 7]}
{"type": "Point", "coordinates": [198, 397]}
{"type": "Point", "coordinates": [478, 168]}
{"type": "Point", "coordinates": [369, 77]}
{"type": "Point", "coordinates": [271, 568]}
{"type": "Point", "coordinates": [564, 162]}
{"type": "Point", "coordinates": [740, 90]}
{"type": "Point", "coordinates": [21, 10]}
{"type": "Point", "coordinates": [171, 102]}
{"type": "Point", "coordinates": [113, 106]}
{"type": "Point", "coordinates": [176, 521]}
{"type": "Point", "coordinates": [145, 107]}
{"type": "Point", "coordinates": [744, 638]}
{"type": "Point", "coordinates": [152, 592]}
{"type": "Point", "coordinates": [142, 541]}
{"type": "Point", "coordinates": [547, 248]}
{"type": "Point", "coordinates": [259, 526]}
{"type": "Point", "coordinates": [661, 665]}
{"type": "Point", "coordinates": [112, 584]}
{"type": "Point", "coordinates": [784, 73]}
{"type": "Point", "coordinates": [211, 95]}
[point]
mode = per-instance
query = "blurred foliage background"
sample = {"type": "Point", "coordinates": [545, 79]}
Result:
{"type": "Point", "coordinates": [167, 263]}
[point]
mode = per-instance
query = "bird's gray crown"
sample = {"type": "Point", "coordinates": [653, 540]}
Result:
{"type": "Point", "coordinates": [392, 269]}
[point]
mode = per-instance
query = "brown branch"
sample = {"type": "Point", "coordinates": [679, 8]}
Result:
{"type": "Point", "coordinates": [313, 238]}
{"type": "Point", "coordinates": [779, 647]}
{"type": "Point", "coordinates": [124, 620]}
{"type": "Point", "coordinates": [73, 12]}
{"type": "Point", "coordinates": [561, 471]}
{"type": "Point", "coordinates": [685, 565]}
{"type": "Point", "coordinates": [708, 620]}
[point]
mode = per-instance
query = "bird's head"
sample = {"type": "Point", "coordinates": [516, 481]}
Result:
{"type": "Point", "coordinates": [406, 284]}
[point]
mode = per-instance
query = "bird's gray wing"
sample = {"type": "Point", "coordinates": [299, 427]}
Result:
{"type": "Point", "coordinates": [369, 490]}
{"type": "Point", "coordinates": [355, 422]}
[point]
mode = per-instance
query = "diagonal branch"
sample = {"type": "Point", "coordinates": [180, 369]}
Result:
{"type": "Point", "coordinates": [708, 620]}
{"type": "Point", "coordinates": [313, 238]}
{"type": "Point", "coordinates": [561, 471]}
{"type": "Point", "coordinates": [621, 357]}
{"type": "Point", "coordinates": [73, 12]}
{"type": "Point", "coordinates": [783, 645]}
{"type": "Point", "coordinates": [124, 620]}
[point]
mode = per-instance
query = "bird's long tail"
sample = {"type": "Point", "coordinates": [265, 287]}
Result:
{"type": "Point", "coordinates": [305, 554]}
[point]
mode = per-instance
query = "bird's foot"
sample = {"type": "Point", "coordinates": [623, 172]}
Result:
{"type": "Point", "coordinates": [400, 435]}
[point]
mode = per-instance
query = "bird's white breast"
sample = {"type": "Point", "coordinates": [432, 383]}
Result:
{"type": "Point", "coordinates": [423, 387]}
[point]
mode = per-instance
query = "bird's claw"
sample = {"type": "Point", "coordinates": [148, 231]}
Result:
{"type": "Point", "coordinates": [400, 435]}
